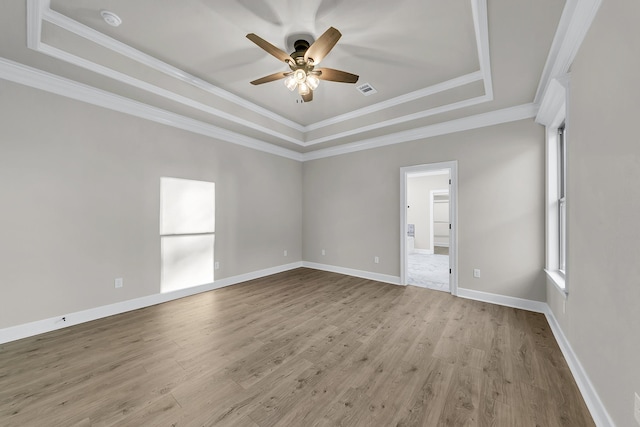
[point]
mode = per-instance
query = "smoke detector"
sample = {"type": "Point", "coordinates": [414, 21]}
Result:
{"type": "Point", "coordinates": [111, 18]}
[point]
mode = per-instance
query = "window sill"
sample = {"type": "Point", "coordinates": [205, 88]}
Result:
{"type": "Point", "coordinates": [559, 281]}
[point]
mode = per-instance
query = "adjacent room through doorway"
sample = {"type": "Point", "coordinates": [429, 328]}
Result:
{"type": "Point", "coordinates": [427, 227]}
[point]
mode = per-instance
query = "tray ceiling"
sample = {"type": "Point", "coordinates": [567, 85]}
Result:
{"type": "Point", "coordinates": [429, 60]}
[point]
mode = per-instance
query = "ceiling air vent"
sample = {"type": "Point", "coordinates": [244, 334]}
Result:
{"type": "Point", "coordinates": [366, 89]}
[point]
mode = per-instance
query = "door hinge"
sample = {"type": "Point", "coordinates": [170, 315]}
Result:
{"type": "Point", "coordinates": [449, 271]}
{"type": "Point", "coordinates": [449, 182]}
{"type": "Point", "coordinates": [449, 226]}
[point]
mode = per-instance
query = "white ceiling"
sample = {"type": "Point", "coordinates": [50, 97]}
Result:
{"type": "Point", "coordinates": [431, 61]}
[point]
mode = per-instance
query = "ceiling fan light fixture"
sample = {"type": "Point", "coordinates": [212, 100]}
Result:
{"type": "Point", "coordinates": [312, 81]}
{"type": "Point", "coordinates": [303, 89]}
{"type": "Point", "coordinates": [291, 83]}
{"type": "Point", "coordinates": [302, 61]}
{"type": "Point", "coordinates": [300, 75]}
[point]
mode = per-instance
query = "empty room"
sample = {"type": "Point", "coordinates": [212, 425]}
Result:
{"type": "Point", "coordinates": [319, 213]}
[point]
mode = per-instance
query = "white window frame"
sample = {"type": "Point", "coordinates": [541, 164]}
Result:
{"type": "Point", "coordinates": [562, 199]}
{"type": "Point", "coordinates": [553, 115]}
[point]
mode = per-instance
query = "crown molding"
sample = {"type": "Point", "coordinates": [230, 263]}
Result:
{"type": "Point", "coordinates": [140, 84]}
{"type": "Point", "coordinates": [112, 44]}
{"type": "Point", "coordinates": [38, 79]}
{"type": "Point", "coordinates": [28, 76]}
{"type": "Point", "coordinates": [576, 17]}
{"type": "Point", "coordinates": [481, 27]}
{"type": "Point", "coordinates": [554, 102]}
{"type": "Point", "coordinates": [422, 114]}
{"type": "Point", "coordinates": [35, 10]}
{"type": "Point", "coordinates": [575, 21]}
{"type": "Point", "coordinates": [40, 10]}
{"type": "Point", "coordinates": [506, 115]}
{"type": "Point", "coordinates": [411, 96]}
{"type": "Point", "coordinates": [22, 74]}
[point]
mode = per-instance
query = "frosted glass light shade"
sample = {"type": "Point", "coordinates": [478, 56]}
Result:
{"type": "Point", "coordinates": [312, 81]}
{"type": "Point", "coordinates": [291, 83]}
{"type": "Point", "coordinates": [300, 76]}
{"type": "Point", "coordinates": [303, 89]}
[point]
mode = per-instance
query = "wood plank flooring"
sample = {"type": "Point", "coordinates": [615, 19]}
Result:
{"type": "Point", "coordinates": [300, 348]}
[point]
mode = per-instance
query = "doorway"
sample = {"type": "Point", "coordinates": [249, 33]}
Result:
{"type": "Point", "coordinates": [428, 226]}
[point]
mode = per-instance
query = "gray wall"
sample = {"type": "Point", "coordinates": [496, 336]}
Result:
{"type": "Point", "coordinates": [602, 319]}
{"type": "Point", "coordinates": [80, 204]}
{"type": "Point", "coordinates": [80, 188]}
{"type": "Point", "coordinates": [351, 206]}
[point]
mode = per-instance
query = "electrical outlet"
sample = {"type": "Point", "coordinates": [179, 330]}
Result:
{"type": "Point", "coordinates": [285, 252]}
{"type": "Point", "coordinates": [119, 282]}
{"type": "Point", "coordinates": [636, 408]}
{"type": "Point", "coordinates": [376, 260]}
{"type": "Point", "coordinates": [476, 273]}
{"type": "Point", "coordinates": [216, 265]}
{"type": "Point", "coordinates": [323, 252]}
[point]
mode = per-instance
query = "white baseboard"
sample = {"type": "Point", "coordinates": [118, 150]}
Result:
{"type": "Point", "coordinates": [524, 304]}
{"type": "Point", "coordinates": [394, 280]}
{"type": "Point", "coordinates": [592, 400]}
{"type": "Point", "coordinates": [596, 407]}
{"type": "Point", "coordinates": [17, 332]}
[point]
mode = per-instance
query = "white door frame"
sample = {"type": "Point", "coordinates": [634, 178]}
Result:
{"type": "Point", "coordinates": [453, 218]}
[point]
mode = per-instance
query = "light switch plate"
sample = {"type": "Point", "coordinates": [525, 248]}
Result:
{"type": "Point", "coordinates": [119, 282]}
{"type": "Point", "coordinates": [476, 273]}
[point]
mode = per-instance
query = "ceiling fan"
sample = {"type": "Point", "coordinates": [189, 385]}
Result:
{"type": "Point", "coordinates": [303, 75]}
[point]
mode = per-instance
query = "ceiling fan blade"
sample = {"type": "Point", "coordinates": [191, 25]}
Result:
{"type": "Point", "coordinates": [308, 97]}
{"type": "Point", "coordinates": [321, 47]}
{"type": "Point", "coordinates": [270, 78]}
{"type": "Point", "coordinates": [269, 48]}
{"type": "Point", "coordinates": [336, 75]}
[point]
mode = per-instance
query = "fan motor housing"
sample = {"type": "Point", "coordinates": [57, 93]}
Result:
{"type": "Point", "coordinates": [301, 45]}
{"type": "Point", "coordinates": [292, 40]}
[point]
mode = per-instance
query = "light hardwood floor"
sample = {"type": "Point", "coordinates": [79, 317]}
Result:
{"type": "Point", "coordinates": [301, 348]}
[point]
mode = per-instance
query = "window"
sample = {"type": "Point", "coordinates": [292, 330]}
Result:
{"type": "Point", "coordinates": [187, 226]}
{"type": "Point", "coordinates": [562, 199]}
{"type": "Point", "coordinates": [553, 115]}
{"type": "Point", "coordinates": [556, 196]}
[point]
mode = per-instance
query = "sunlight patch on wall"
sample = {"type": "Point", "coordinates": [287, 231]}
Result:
{"type": "Point", "coordinates": [187, 227]}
